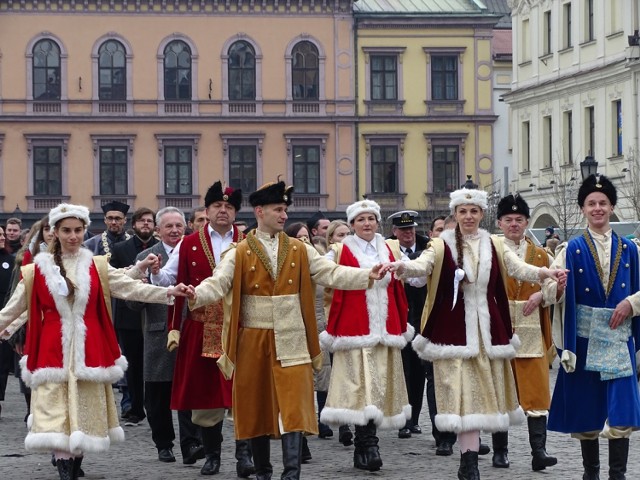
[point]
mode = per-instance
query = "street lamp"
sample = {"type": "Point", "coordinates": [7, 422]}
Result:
{"type": "Point", "coordinates": [588, 167]}
{"type": "Point", "coordinates": [469, 184]}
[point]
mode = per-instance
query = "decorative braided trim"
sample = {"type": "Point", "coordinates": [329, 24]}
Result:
{"type": "Point", "coordinates": [596, 259]}
{"type": "Point", "coordinates": [105, 241]}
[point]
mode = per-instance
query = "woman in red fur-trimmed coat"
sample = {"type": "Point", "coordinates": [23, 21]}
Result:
{"type": "Point", "coordinates": [71, 354]}
{"type": "Point", "coordinates": [366, 332]}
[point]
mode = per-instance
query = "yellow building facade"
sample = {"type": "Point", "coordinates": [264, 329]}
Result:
{"type": "Point", "coordinates": [150, 102]}
{"type": "Point", "coordinates": [424, 90]}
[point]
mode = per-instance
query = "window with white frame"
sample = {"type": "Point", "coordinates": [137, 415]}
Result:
{"type": "Point", "coordinates": [589, 33]}
{"type": "Point", "coordinates": [178, 168]}
{"type": "Point", "coordinates": [589, 127]}
{"type": "Point", "coordinates": [47, 170]}
{"type": "Point", "coordinates": [112, 71]}
{"type": "Point", "coordinates": [526, 146]}
{"type": "Point", "coordinates": [114, 168]}
{"type": "Point", "coordinates": [242, 71]}
{"type": "Point", "coordinates": [567, 23]}
{"type": "Point", "coordinates": [305, 71]}
{"type": "Point", "coordinates": [616, 112]}
{"type": "Point", "coordinates": [547, 142]}
{"type": "Point", "coordinates": [46, 70]}
{"type": "Point", "coordinates": [384, 74]}
{"type": "Point", "coordinates": [525, 42]}
{"type": "Point", "coordinates": [243, 166]}
{"type": "Point", "coordinates": [446, 168]}
{"type": "Point", "coordinates": [177, 71]}
{"type": "Point", "coordinates": [567, 133]}
{"type": "Point", "coordinates": [546, 39]}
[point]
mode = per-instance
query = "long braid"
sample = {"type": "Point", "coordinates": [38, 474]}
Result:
{"type": "Point", "coordinates": [459, 247]}
{"type": "Point", "coordinates": [57, 258]}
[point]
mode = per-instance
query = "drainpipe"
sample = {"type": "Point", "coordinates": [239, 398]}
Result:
{"type": "Point", "coordinates": [357, 107]}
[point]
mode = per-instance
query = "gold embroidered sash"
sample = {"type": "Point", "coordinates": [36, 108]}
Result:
{"type": "Point", "coordinates": [212, 315]}
{"type": "Point", "coordinates": [528, 330]}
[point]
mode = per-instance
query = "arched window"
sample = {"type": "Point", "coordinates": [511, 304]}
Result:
{"type": "Point", "coordinates": [112, 71]}
{"type": "Point", "coordinates": [177, 71]}
{"type": "Point", "coordinates": [305, 71]}
{"type": "Point", "coordinates": [46, 70]}
{"type": "Point", "coordinates": [242, 71]}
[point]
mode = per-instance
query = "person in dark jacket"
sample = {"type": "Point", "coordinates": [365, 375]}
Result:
{"type": "Point", "coordinates": [411, 244]}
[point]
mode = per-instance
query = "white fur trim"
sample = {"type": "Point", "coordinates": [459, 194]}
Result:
{"type": "Point", "coordinates": [67, 210]}
{"type": "Point", "coordinates": [476, 309]}
{"type": "Point", "coordinates": [341, 416]}
{"type": "Point", "coordinates": [468, 196]}
{"type": "Point", "coordinates": [410, 333]}
{"type": "Point", "coordinates": [116, 435]}
{"type": "Point", "coordinates": [81, 442]}
{"type": "Point", "coordinates": [25, 373]}
{"type": "Point", "coordinates": [363, 206]}
{"type": "Point", "coordinates": [495, 422]}
{"type": "Point", "coordinates": [377, 299]}
{"type": "Point", "coordinates": [29, 421]}
{"type": "Point", "coordinates": [46, 442]}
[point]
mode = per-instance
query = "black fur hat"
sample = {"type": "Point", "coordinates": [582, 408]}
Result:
{"type": "Point", "coordinates": [512, 204]}
{"type": "Point", "coordinates": [272, 193]}
{"type": "Point", "coordinates": [598, 183]}
{"type": "Point", "coordinates": [217, 194]}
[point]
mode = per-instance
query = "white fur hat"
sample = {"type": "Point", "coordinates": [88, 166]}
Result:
{"type": "Point", "coordinates": [363, 206]}
{"type": "Point", "coordinates": [67, 210]}
{"type": "Point", "coordinates": [468, 196]}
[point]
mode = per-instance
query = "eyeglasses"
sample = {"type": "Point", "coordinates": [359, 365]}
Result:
{"type": "Point", "coordinates": [114, 219]}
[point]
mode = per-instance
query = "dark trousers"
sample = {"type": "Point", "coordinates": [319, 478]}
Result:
{"type": "Point", "coordinates": [157, 401]}
{"type": "Point", "coordinates": [433, 409]}
{"type": "Point", "coordinates": [132, 346]}
{"type": "Point", "coordinates": [414, 375]}
{"type": "Point", "coordinates": [189, 431]}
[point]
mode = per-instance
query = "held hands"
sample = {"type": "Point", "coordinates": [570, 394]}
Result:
{"type": "Point", "coordinates": [393, 267]}
{"type": "Point", "coordinates": [534, 302]}
{"type": "Point", "coordinates": [377, 273]}
{"type": "Point", "coordinates": [620, 314]}
{"type": "Point", "coordinates": [180, 290]}
{"type": "Point", "coordinates": [559, 275]}
{"type": "Point", "coordinates": [152, 262]}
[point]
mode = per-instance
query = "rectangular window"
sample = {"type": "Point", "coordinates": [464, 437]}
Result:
{"type": "Point", "coordinates": [242, 167]}
{"type": "Point", "coordinates": [588, 19]}
{"type": "Point", "coordinates": [444, 77]}
{"type": "Point", "coordinates": [525, 50]}
{"type": "Point", "coordinates": [384, 77]}
{"type": "Point", "coordinates": [178, 170]}
{"type": "Point", "coordinates": [47, 171]}
{"type": "Point", "coordinates": [567, 25]}
{"type": "Point", "coordinates": [526, 147]}
{"type": "Point", "coordinates": [306, 169]}
{"type": "Point", "coordinates": [590, 124]}
{"type": "Point", "coordinates": [113, 171]}
{"type": "Point", "coordinates": [547, 130]}
{"type": "Point", "coordinates": [384, 165]}
{"type": "Point", "coordinates": [546, 48]}
{"type": "Point", "coordinates": [617, 131]}
{"type": "Point", "coordinates": [446, 168]}
{"type": "Point", "coordinates": [567, 132]}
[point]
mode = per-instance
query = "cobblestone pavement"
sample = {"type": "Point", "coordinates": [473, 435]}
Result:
{"type": "Point", "coordinates": [412, 458]}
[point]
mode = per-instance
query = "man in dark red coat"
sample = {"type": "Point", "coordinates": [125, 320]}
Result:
{"type": "Point", "coordinates": [198, 384]}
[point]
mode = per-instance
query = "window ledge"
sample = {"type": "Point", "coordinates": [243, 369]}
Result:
{"type": "Point", "coordinates": [617, 33]}
{"type": "Point", "coordinates": [566, 49]}
{"type": "Point", "coordinates": [545, 57]}
{"type": "Point", "coordinates": [586, 43]}
{"type": "Point", "coordinates": [445, 107]}
{"type": "Point", "coordinates": [616, 158]}
{"type": "Point", "coordinates": [525, 63]}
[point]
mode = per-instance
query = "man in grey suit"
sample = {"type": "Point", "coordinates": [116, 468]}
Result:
{"type": "Point", "coordinates": [158, 361]}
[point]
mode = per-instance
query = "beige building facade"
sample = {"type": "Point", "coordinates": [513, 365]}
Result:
{"type": "Point", "coordinates": [151, 102]}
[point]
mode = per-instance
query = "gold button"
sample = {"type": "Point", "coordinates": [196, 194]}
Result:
{"type": "Point", "coordinates": [295, 247]}
{"type": "Point", "coordinates": [194, 248]}
{"type": "Point", "coordinates": [578, 251]}
{"type": "Point", "coordinates": [193, 264]}
{"type": "Point", "coordinates": [291, 282]}
{"type": "Point", "coordinates": [256, 286]}
{"type": "Point", "coordinates": [248, 252]}
{"type": "Point", "coordinates": [580, 270]}
{"type": "Point", "coordinates": [533, 284]}
{"type": "Point", "coordinates": [623, 285]}
{"type": "Point", "coordinates": [539, 255]}
{"type": "Point", "coordinates": [253, 269]}
{"type": "Point", "coordinates": [586, 289]}
{"type": "Point", "coordinates": [293, 264]}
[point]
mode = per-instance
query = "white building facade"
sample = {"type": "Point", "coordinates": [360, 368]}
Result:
{"type": "Point", "coordinates": [576, 77]}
